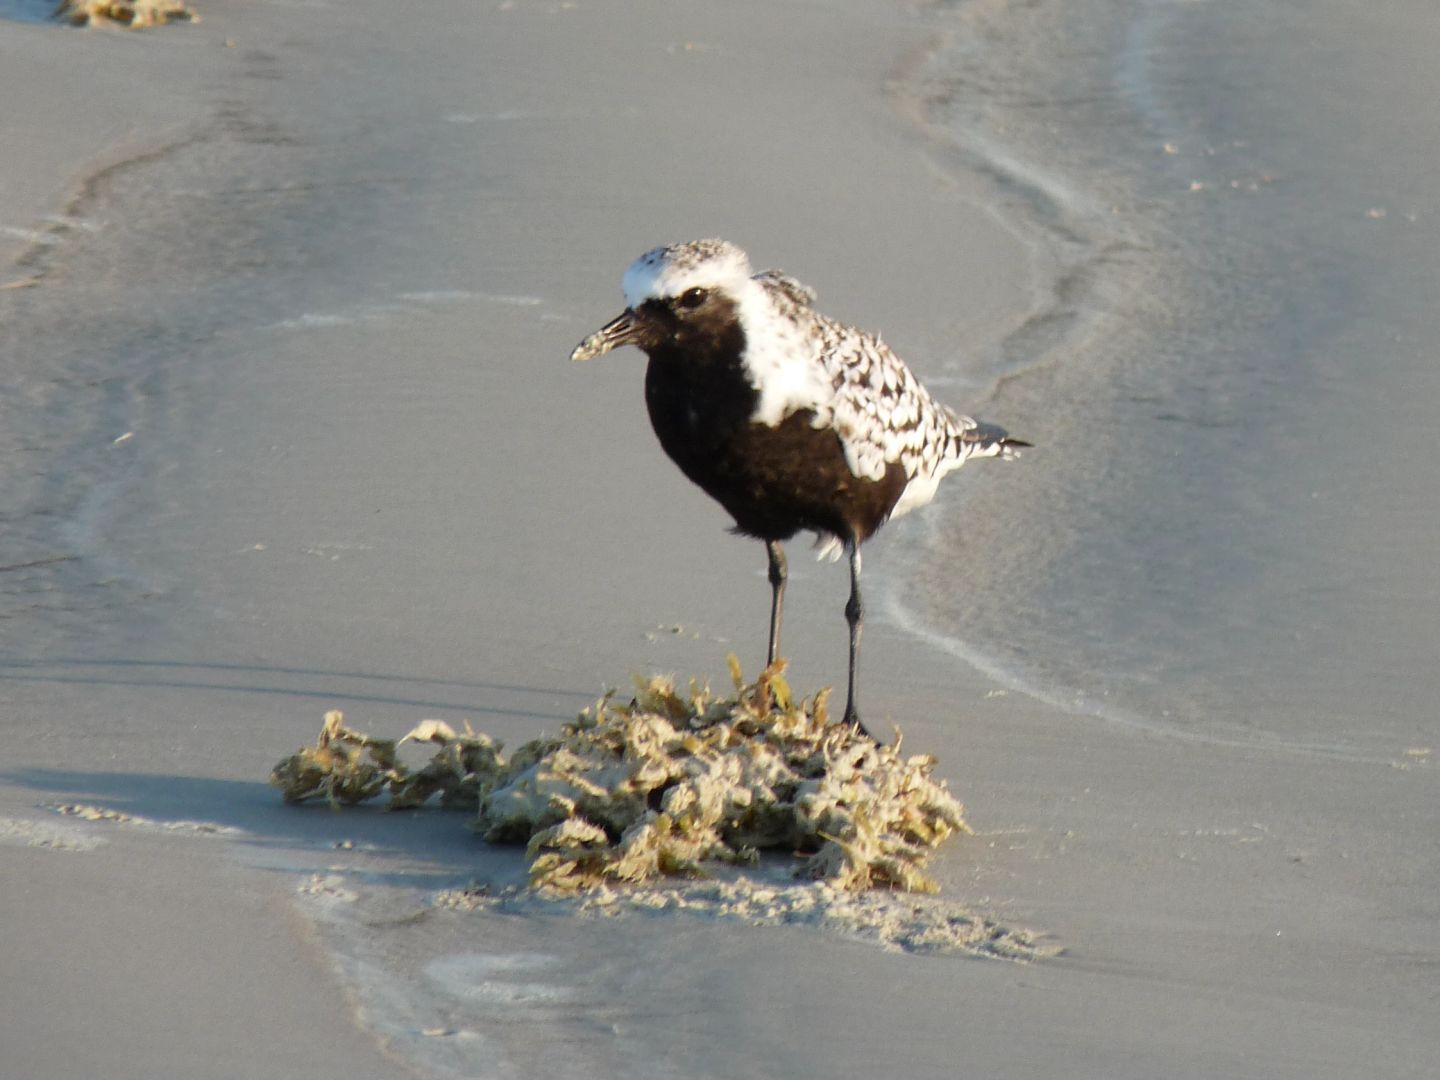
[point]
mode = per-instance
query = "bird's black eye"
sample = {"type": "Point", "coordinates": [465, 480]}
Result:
{"type": "Point", "coordinates": [692, 298]}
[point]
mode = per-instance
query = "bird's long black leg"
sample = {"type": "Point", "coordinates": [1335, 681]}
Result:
{"type": "Point", "coordinates": [855, 616]}
{"type": "Point", "coordinates": [778, 573]}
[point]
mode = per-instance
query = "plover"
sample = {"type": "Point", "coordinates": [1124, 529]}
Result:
{"type": "Point", "coordinates": [789, 419]}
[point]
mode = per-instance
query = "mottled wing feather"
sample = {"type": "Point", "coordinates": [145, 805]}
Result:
{"type": "Point", "coordinates": [881, 411]}
{"type": "Point", "coordinates": [867, 395]}
{"type": "Point", "coordinates": [785, 290]}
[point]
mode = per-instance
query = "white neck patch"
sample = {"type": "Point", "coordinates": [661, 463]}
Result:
{"type": "Point", "coordinates": [780, 359]}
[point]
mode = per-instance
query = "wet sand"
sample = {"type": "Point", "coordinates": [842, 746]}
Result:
{"type": "Point", "coordinates": [298, 433]}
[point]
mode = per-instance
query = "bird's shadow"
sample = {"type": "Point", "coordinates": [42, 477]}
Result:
{"type": "Point", "coordinates": [28, 11]}
{"type": "Point", "coordinates": [435, 846]}
{"type": "Point", "coordinates": [279, 834]}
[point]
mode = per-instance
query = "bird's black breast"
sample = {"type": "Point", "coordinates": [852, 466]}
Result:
{"type": "Point", "coordinates": [775, 481]}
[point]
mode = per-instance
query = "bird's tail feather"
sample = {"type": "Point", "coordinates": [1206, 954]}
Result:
{"type": "Point", "coordinates": [989, 440]}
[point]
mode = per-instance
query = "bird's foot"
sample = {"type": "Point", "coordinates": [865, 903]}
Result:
{"type": "Point", "coordinates": [852, 717]}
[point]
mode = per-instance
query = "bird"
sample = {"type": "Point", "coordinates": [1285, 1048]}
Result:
{"type": "Point", "coordinates": [793, 421]}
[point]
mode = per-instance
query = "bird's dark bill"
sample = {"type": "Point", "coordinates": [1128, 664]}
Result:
{"type": "Point", "coordinates": [624, 329]}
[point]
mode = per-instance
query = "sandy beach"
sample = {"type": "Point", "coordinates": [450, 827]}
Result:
{"type": "Point", "coordinates": [286, 425]}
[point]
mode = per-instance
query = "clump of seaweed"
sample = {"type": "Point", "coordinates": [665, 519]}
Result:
{"type": "Point", "coordinates": [666, 784]}
{"type": "Point", "coordinates": [347, 767]}
{"type": "Point", "coordinates": [136, 14]}
{"type": "Point", "coordinates": [343, 766]}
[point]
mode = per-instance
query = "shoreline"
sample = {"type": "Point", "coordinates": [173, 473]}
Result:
{"type": "Point", "coordinates": [1080, 259]}
{"type": "Point", "coordinates": [1195, 458]}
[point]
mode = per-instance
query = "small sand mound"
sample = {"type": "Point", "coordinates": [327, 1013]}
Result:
{"type": "Point", "coordinates": [665, 785]}
{"type": "Point", "coordinates": [136, 14]}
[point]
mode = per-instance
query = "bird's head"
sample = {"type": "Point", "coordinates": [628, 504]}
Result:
{"type": "Point", "coordinates": [674, 295]}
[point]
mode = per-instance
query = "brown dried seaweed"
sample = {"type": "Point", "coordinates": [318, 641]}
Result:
{"type": "Point", "coordinates": [135, 14]}
{"type": "Point", "coordinates": [344, 766]}
{"type": "Point", "coordinates": [667, 784]}
{"type": "Point", "coordinates": [457, 771]}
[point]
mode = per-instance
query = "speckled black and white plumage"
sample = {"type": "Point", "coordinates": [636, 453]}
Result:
{"type": "Point", "coordinates": [790, 419]}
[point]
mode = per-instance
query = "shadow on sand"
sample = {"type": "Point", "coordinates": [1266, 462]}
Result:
{"type": "Point", "coordinates": [27, 11]}
{"type": "Point", "coordinates": [433, 844]}
{"type": "Point", "coordinates": [436, 846]}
